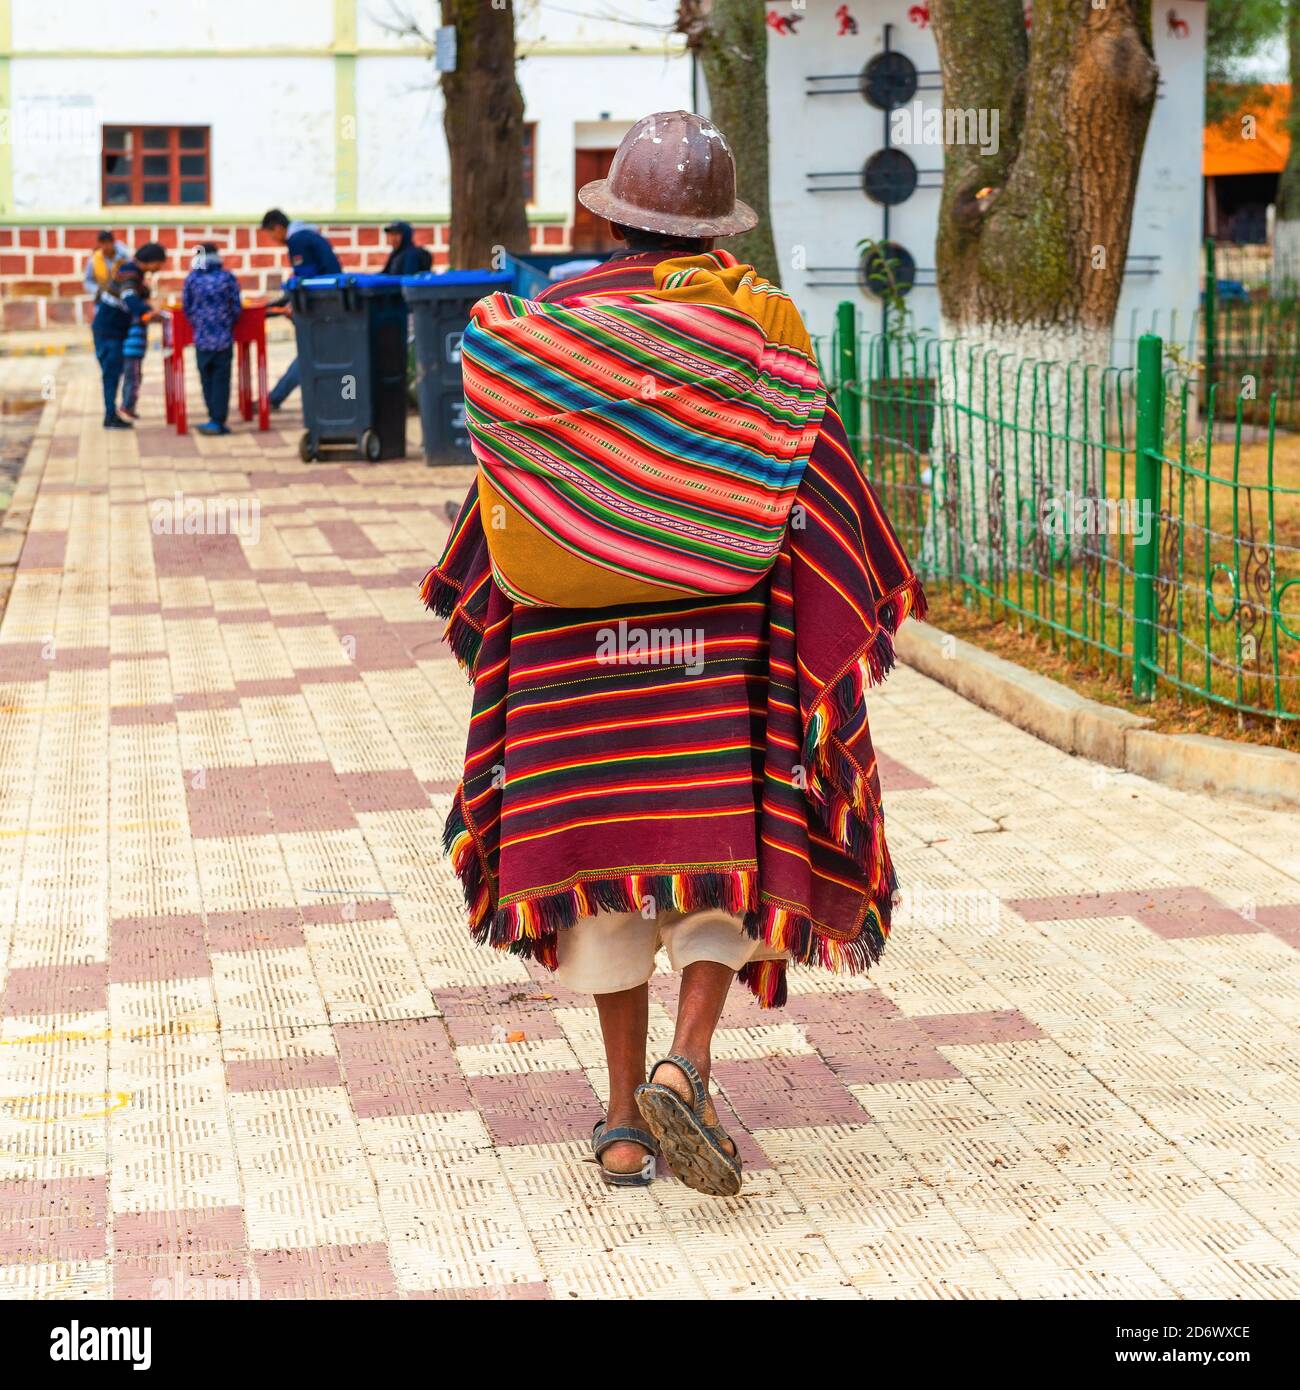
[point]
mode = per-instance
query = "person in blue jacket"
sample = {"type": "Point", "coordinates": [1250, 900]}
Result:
{"type": "Point", "coordinates": [404, 256]}
{"type": "Point", "coordinates": [121, 306]}
{"type": "Point", "coordinates": [309, 254]}
{"type": "Point", "coordinates": [211, 303]}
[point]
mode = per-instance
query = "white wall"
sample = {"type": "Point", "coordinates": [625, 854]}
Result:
{"type": "Point", "coordinates": [829, 133]}
{"type": "Point", "coordinates": [563, 93]}
{"type": "Point", "coordinates": [271, 119]}
{"type": "Point", "coordinates": [402, 164]}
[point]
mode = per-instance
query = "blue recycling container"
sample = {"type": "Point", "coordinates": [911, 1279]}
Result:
{"type": "Point", "coordinates": [535, 273]}
{"type": "Point", "coordinates": [351, 332]}
{"type": "Point", "coordinates": [440, 302]}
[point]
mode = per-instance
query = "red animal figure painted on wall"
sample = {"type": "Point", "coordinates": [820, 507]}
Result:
{"type": "Point", "coordinates": [1177, 27]}
{"type": "Point", "coordinates": [848, 25]}
{"type": "Point", "coordinates": [783, 23]}
{"type": "Point", "coordinates": [919, 15]}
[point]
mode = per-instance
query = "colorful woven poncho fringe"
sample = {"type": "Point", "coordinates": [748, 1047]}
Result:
{"type": "Point", "coordinates": [724, 762]}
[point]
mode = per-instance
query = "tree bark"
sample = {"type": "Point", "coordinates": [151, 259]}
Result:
{"type": "Point", "coordinates": [1032, 239]}
{"type": "Point", "coordinates": [483, 116]}
{"type": "Point", "coordinates": [1030, 253]}
{"type": "Point", "coordinates": [730, 39]}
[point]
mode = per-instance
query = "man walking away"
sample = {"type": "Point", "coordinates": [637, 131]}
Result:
{"type": "Point", "coordinates": [121, 304]}
{"type": "Point", "coordinates": [661, 476]}
{"type": "Point", "coordinates": [309, 255]}
{"type": "Point", "coordinates": [103, 263]}
{"type": "Point", "coordinates": [404, 256]}
{"type": "Point", "coordinates": [211, 303]}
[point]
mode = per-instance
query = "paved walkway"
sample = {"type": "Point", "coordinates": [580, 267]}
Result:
{"type": "Point", "coordinates": [246, 1047]}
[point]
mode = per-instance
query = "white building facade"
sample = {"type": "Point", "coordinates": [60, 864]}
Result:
{"type": "Point", "coordinates": [184, 120]}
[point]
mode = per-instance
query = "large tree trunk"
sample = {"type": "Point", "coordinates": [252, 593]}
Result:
{"type": "Point", "coordinates": [1032, 240]}
{"type": "Point", "coordinates": [730, 39]}
{"type": "Point", "coordinates": [1030, 255]}
{"type": "Point", "coordinates": [483, 115]}
{"type": "Point", "coordinates": [1286, 228]}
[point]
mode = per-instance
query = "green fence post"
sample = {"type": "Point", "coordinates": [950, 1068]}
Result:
{"type": "Point", "coordinates": [1148, 448]}
{"type": "Point", "coordinates": [1211, 317]}
{"type": "Point", "coordinates": [848, 398]}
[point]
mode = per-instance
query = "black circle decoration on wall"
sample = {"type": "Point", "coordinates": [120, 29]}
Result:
{"type": "Point", "coordinates": [888, 80]}
{"type": "Point", "coordinates": [889, 177]}
{"type": "Point", "coordinates": [884, 265]}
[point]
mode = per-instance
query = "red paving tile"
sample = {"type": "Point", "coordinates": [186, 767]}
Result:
{"type": "Point", "coordinates": [1169, 912]}
{"type": "Point", "coordinates": [402, 1067]}
{"type": "Point", "coordinates": [325, 1271]}
{"type": "Point", "coordinates": [548, 1107]}
{"type": "Point", "coordinates": [786, 1092]}
{"type": "Point", "coordinates": [69, 988]}
{"type": "Point", "coordinates": [56, 1219]}
{"type": "Point", "coordinates": [193, 1254]}
{"type": "Point", "coordinates": [282, 1073]}
{"type": "Point", "coordinates": [264, 929]}
{"type": "Point", "coordinates": [157, 948]}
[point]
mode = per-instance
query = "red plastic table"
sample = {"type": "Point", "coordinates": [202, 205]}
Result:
{"type": "Point", "coordinates": [250, 332]}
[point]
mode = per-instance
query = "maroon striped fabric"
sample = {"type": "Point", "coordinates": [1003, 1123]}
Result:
{"type": "Point", "coordinates": [672, 756]}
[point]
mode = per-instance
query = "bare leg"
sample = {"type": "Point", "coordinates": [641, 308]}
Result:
{"type": "Point", "coordinates": [624, 1021]}
{"type": "Point", "coordinates": [699, 1007]}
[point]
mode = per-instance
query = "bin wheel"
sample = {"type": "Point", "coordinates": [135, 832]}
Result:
{"type": "Point", "coordinates": [306, 449]}
{"type": "Point", "coordinates": [371, 445]}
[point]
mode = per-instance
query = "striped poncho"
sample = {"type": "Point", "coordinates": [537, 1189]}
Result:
{"type": "Point", "coordinates": [699, 753]}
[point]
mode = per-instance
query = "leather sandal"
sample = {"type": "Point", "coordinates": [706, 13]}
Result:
{"type": "Point", "coordinates": [604, 1134]}
{"type": "Point", "coordinates": [694, 1148]}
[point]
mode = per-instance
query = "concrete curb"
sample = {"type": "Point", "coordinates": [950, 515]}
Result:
{"type": "Point", "coordinates": [1069, 721]}
{"type": "Point", "coordinates": [18, 514]}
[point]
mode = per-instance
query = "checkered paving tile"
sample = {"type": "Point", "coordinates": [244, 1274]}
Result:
{"type": "Point", "coordinates": [247, 1049]}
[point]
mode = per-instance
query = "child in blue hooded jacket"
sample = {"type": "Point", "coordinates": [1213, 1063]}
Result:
{"type": "Point", "coordinates": [211, 303]}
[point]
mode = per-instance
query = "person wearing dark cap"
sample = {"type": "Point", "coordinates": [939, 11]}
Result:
{"type": "Point", "coordinates": [404, 256]}
{"type": "Point", "coordinates": [120, 307]}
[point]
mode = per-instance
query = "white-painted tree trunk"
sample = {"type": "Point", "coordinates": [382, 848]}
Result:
{"type": "Point", "coordinates": [1285, 277]}
{"type": "Point", "coordinates": [1018, 435]}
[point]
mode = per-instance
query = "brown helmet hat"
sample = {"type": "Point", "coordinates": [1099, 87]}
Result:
{"type": "Point", "coordinates": [673, 172]}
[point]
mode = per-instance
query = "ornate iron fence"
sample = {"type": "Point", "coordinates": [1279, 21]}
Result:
{"type": "Point", "coordinates": [1110, 508]}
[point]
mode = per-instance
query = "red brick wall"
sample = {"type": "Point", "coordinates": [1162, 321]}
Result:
{"type": "Point", "coordinates": [41, 267]}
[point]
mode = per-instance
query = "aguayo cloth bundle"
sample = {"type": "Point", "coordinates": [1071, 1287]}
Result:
{"type": "Point", "coordinates": [701, 751]}
{"type": "Point", "coordinates": [646, 445]}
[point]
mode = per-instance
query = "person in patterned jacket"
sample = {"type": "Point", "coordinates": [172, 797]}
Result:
{"type": "Point", "coordinates": [211, 303]}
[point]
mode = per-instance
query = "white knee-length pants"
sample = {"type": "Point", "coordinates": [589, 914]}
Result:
{"type": "Point", "coordinates": [614, 951]}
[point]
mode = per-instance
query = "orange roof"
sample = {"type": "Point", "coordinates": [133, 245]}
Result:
{"type": "Point", "coordinates": [1227, 150]}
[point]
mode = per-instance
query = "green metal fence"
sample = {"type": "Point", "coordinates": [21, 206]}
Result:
{"type": "Point", "coordinates": [1248, 345]}
{"type": "Point", "coordinates": [1094, 505]}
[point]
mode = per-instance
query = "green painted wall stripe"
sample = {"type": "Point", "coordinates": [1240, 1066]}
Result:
{"type": "Point", "coordinates": [345, 106]}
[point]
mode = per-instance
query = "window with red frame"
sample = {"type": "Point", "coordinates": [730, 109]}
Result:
{"type": "Point", "coordinates": [164, 164]}
{"type": "Point", "coordinates": [530, 159]}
